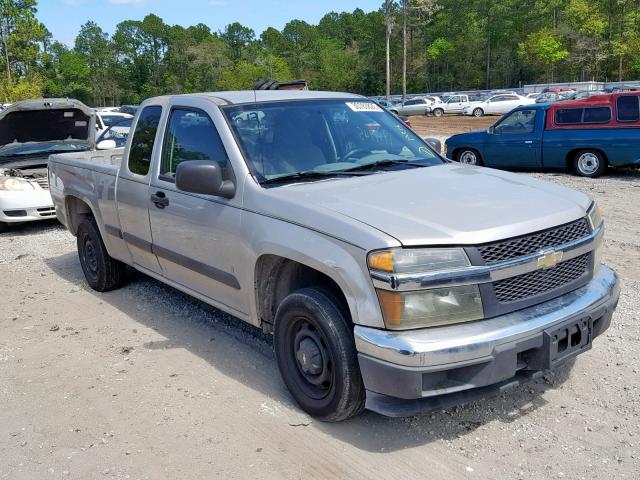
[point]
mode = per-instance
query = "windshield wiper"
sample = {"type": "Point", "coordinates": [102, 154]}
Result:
{"type": "Point", "coordinates": [306, 175]}
{"type": "Point", "coordinates": [384, 163]}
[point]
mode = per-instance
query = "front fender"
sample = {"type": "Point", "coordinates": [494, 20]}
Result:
{"type": "Point", "coordinates": [344, 263]}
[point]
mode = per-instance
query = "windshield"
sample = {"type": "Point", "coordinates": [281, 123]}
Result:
{"type": "Point", "coordinates": [109, 120]}
{"type": "Point", "coordinates": [21, 149]}
{"type": "Point", "coordinates": [283, 138]}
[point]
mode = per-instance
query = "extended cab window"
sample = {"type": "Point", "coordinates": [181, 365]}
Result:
{"type": "Point", "coordinates": [191, 135]}
{"type": "Point", "coordinates": [628, 108]}
{"type": "Point", "coordinates": [575, 116]}
{"type": "Point", "coordinates": [144, 137]}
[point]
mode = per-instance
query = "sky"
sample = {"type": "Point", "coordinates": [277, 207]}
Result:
{"type": "Point", "coordinates": [63, 18]}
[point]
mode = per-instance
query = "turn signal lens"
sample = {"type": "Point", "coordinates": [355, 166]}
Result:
{"type": "Point", "coordinates": [595, 217]}
{"type": "Point", "coordinates": [417, 260]}
{"type": "Point", "coordinates": [382, 261]}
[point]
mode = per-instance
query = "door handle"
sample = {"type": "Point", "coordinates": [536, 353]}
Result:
{"type": "Point", "coordinates": [160, 199]}
{"type": "Point", "coordinates": [528, 142]}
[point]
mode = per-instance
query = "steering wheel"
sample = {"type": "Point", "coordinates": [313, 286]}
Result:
{"type": "Point", "coordinates": [352, 153]}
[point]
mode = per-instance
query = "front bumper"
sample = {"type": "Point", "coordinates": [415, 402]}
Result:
{"type": "Point", "coordinates": [28, 206]}
{"type": "Point", "coordinates": [408, 372]}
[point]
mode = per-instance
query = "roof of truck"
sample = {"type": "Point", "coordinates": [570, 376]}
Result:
{"type": "Point", "coordinates": [252, 96]}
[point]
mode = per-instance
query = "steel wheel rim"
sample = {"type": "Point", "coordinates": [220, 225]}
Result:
{"type": "Point", "coordinates": [469, 158]}
{"type": "Point", "coordinates": [312, 357]}
{"type": "Point", "coordinates": [89, 254]}
{"type": "Point", "coordinates": [588, 163]}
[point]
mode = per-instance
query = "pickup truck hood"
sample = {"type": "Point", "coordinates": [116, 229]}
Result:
{"type": "Point", "coordinates": [47, 120]}
{"type": "Point", "coordinates": [449, 204]}
{"type": "Point", "coordinates": [474, 137]}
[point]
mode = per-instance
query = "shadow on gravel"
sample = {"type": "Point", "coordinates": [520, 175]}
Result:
{"type": "Point", "coordinates": [33, 228]}
{"type": "Point", "coordinates": [244, 353]}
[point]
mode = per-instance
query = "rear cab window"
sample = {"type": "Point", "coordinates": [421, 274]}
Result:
{"type": "Point", "coordinates": [144, 137]}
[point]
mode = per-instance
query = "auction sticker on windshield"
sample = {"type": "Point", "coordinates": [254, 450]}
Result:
{"type": "Point", "coordinates": [363, 107]}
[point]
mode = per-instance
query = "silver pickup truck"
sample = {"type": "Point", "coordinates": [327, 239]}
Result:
{"type": "Point", "coordinates": [390, 278]}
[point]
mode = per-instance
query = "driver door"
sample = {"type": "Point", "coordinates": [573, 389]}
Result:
{"type": "Point", "coordinates": [516, 140]}
{"type": "Point", "coordinates": [196, 237]}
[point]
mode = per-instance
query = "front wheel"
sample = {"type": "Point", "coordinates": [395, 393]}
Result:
{"type": "Point", "coordinates": [316, 355]}
{"type": "Point", "coordinates": [589, 163]}
{"type": "Point", "coordinates": [469, 157]}
{"type": "Point", "coordinates": [102, 272]}
{"type": "Point", "coordinates": [478, 112]}
{"type": "Point", "coordinates": [438, 112]}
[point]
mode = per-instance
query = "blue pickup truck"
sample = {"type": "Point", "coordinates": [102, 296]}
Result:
{"type": "Point", "coordinates": [585, 136]}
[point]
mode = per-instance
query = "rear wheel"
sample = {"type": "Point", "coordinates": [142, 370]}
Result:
{"type": "Point", "coordinates": [316, 355]}
{"type": "Point", "coordinates": [589, 163]}
{"type": "Point", "coordinates": [478, 112]}
{"type": "Point", "coordinates": [438, 112]}
{"type": "Point", "coordinates": [395, 112]}
{"type": "Point", "coordinates": [468, 156]}
{"type": "Point", "coordinates": [102, 272]}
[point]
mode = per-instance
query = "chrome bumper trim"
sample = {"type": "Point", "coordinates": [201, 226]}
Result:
{"type": "Point", "coordinates": [484, 274]}
{"type": "Point", "coordinates": [475, 341]}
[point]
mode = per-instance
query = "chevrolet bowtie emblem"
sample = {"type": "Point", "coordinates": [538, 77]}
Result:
{"type": "Point", "coordinates": [549, 260]}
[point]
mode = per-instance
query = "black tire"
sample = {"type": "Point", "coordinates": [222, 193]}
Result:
{"type": "Point", "coordinates": [438, 112]}
{"type": "Point", "coordinates": [395, 112]}
{"type": "Point", "coordinates": [102, 272]}
{"type": "Point", "coordinates": [468, 156]}
{"type": "Point", "coordinates": [4, 227]}
{"type": "Point", "coordinates": [316, 355]}
{"type": "Point", "coordinates": [589, 163]}
{"type": "Point", "coordinates": [478, 112]}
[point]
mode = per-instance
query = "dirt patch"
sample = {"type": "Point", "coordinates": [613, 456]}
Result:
{"type": "Point", "coordinates": [448, 125]}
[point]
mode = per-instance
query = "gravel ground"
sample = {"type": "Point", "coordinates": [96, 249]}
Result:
{"type": "Point", "coordinates": [146, 383]}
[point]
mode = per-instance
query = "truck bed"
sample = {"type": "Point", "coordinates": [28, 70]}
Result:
{"type": "Point", "coordinates": [90, 177]}
{"type": "Point", "coordinates": [103, 161]}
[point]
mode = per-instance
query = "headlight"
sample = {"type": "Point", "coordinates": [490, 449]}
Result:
{"type": "Point", "coordinates": [430, 308]}
{"type": "Point", "coordinates": [425, 308]}
{"type": "Point", "coordinates": [595, 217]}
{"type": "Point", "coordinates": [15, 184]}
{"type": "Point", "coordinates": [418, 260]}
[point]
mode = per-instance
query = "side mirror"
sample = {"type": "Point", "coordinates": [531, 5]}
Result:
{"type": "Point", "coordinates": [106, 145]}
{"type": "Point", "coordinates": [491, 130]}
{"type": "Point", "coordinates": [204, 177]}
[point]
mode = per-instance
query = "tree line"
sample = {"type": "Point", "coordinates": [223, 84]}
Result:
{"type": "Point", "coordinates": [440, 44]}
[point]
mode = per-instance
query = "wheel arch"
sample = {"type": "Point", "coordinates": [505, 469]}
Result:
{"type": "Point", "coordinates": [75, 210]}
{"type": "Point", "coordinates": [277, 276]}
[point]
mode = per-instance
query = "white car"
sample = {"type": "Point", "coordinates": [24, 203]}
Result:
{"type": "Point", "coordinates": [454, 104]}
{"type": "Point", "coordinates": [29, 132]}
{"type": "Point", "coordinates": [497, 105]}
{"type": "Point", "coordinates": [104, 119]}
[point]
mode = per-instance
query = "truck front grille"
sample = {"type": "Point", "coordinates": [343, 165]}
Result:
{"type": "Point", "coordinates": [541, 281]}
{"type": "Point", "coordinates": [528, 244]}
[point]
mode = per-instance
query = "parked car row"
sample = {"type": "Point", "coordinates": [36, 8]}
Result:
{"type": "Point", "coordinates": [585, 136]}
